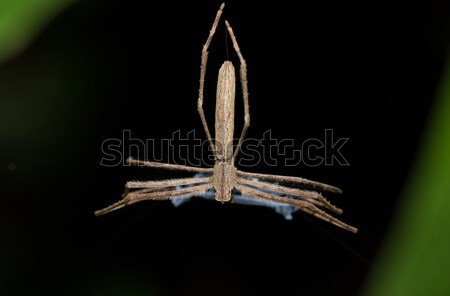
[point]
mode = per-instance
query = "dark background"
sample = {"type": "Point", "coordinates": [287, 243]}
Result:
{"type": "Point", "coordinates": [368, 71]}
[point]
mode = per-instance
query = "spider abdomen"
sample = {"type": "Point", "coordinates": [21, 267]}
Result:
{"type": "Point", "coordinates": [225, 97]}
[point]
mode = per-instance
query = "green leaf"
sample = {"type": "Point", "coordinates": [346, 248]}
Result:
{"type": "Point", "coordinates": [416, 257]}
{"type": "Point", "coordinates": [22, 20]}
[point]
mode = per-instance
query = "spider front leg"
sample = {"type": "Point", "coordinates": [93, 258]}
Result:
{"type": "Point", "coordinates": [166, 183]}
{"type": "Point", "coordinates": [304, 206]}
{"type": "Point", "coordinates": [157, 194]}
{"type": "Point", "coordinates": [308, 195]}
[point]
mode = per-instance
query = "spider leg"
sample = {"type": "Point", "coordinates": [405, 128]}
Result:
{"type": "Point", "coordinates": [161, 185]}
{"type": "Point", "coordinates": [308, 195]}
{"type": "Point", "coordinates": [168, 166]}
{"type": "Point", "coordinates": [149, 190]}
{"type": "Point", "coordinates": [140, 195]}
{"type": "Point", "coordinates": [289, 179]}
{"type": "Point", "coordinates": [302, 205]}
{"type": "Point", "coordinates": [202, 77]}
{"type": "Point", "coordinates": [166, 183]}
{"type": "Point", "coordinates": [243, 75]}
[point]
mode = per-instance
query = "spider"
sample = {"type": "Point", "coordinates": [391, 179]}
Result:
{"type": "Point", "coordinates": [224, 176]}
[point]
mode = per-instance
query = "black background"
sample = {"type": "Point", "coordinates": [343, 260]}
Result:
{"type": "Point", "coordinates": [368, 71]}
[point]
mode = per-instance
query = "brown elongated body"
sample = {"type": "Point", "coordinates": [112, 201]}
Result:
{"type": "Point", "coordinates": [225, 97]}
{"type": "Point", "coordinates": [224, 168]}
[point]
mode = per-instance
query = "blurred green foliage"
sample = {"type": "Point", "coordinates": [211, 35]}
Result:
{"type": "Point", "coordinates": [416, 257]}
{"type": "Point", "coordinates": [22, 20]}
